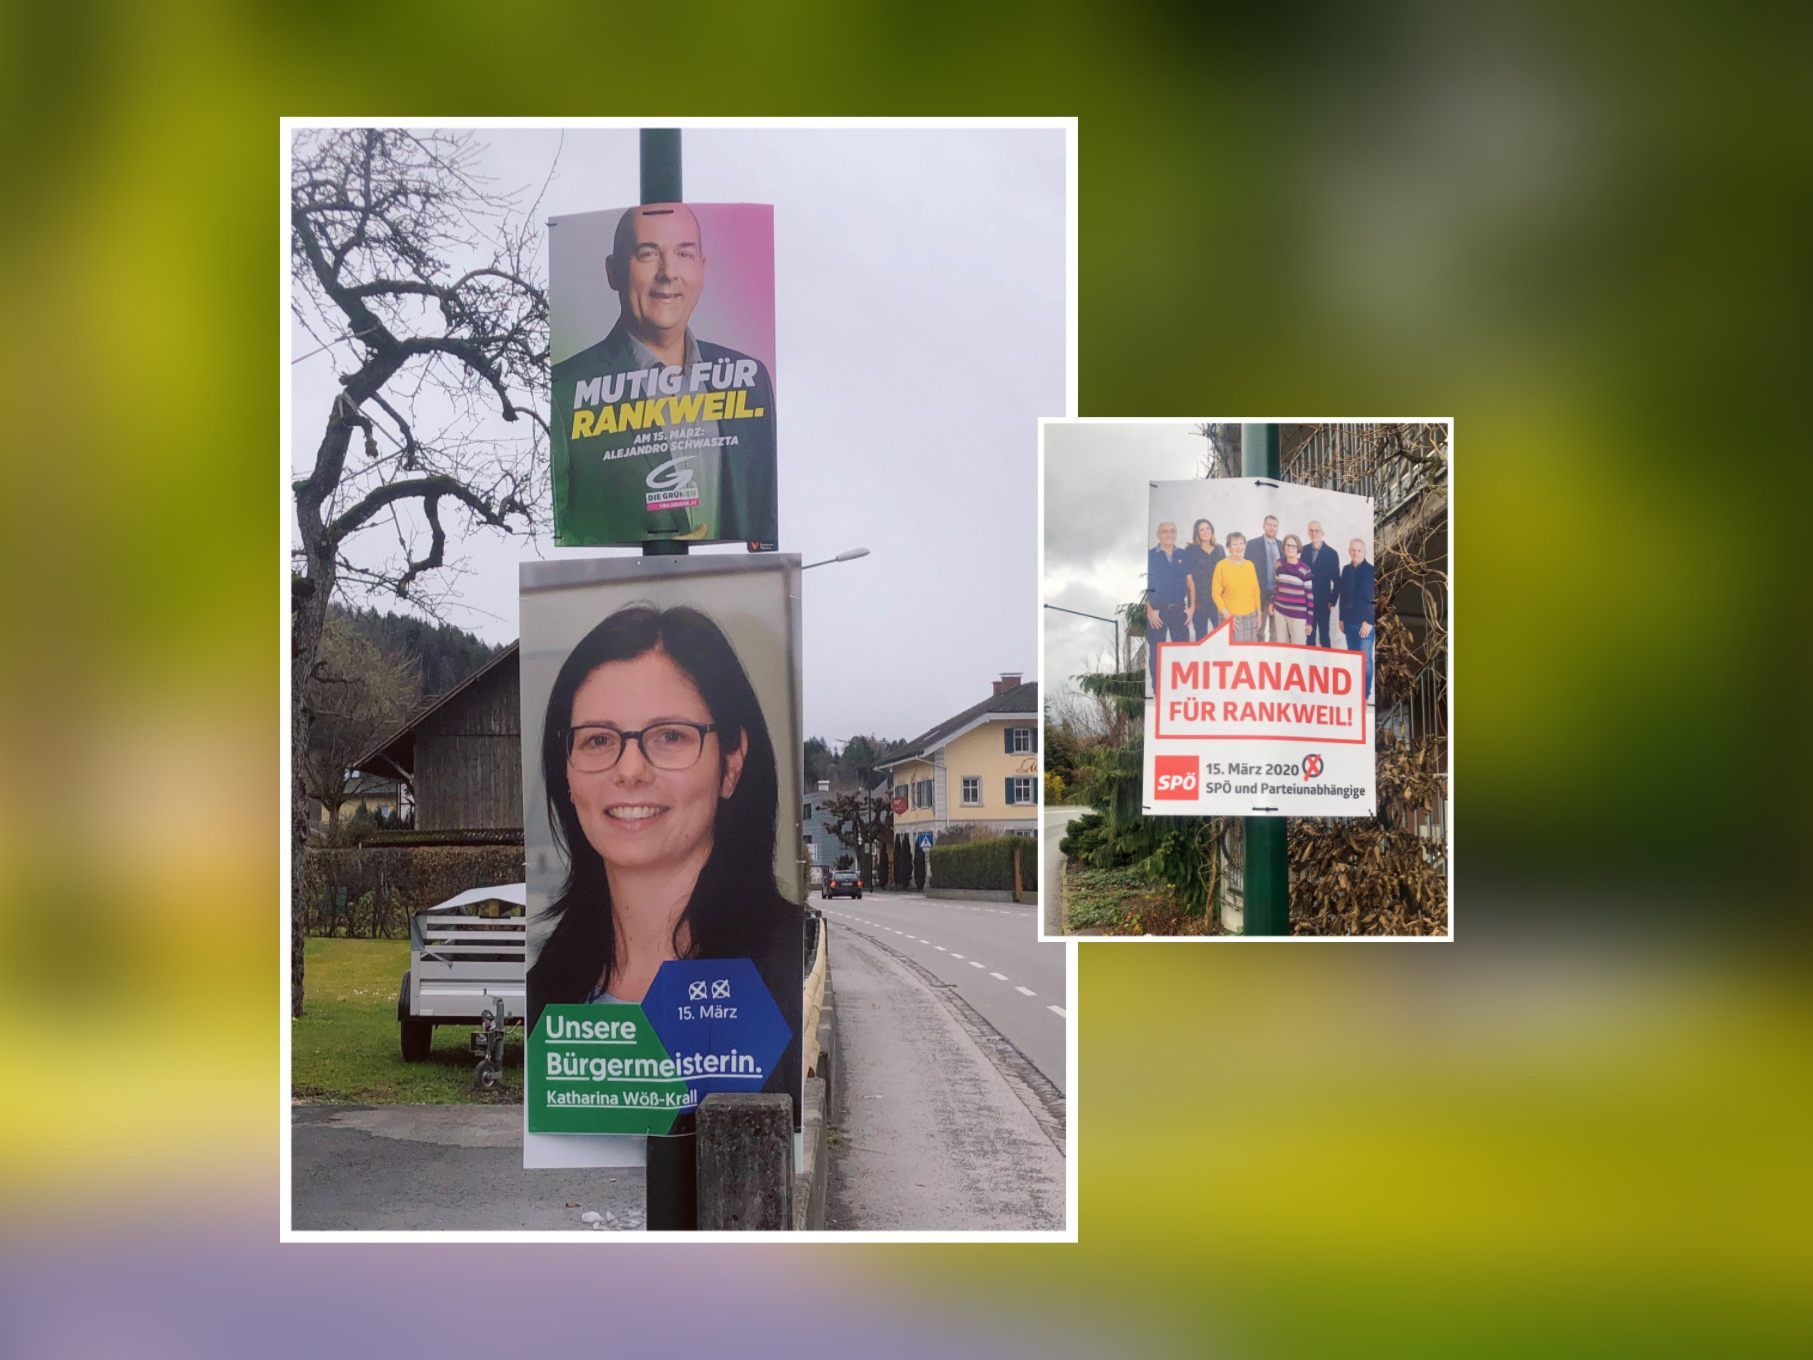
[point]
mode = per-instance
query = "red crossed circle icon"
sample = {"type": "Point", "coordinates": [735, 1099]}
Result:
{"type": "Point", "coordinates": [1312, 766]}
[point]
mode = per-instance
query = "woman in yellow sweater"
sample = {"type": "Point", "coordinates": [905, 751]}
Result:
{"type": "Point", "coordinates": [1235, 590]}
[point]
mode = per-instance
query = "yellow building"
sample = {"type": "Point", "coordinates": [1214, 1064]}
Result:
{"type": "Point", "coordinates": [979, 768]}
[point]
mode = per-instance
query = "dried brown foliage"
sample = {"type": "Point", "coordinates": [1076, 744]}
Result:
{"type": "Point", "coordinates": [1383, 875]}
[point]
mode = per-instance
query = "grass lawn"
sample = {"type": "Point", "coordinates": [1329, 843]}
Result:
{"type": "Point", "coordinates": [346, 1047]}
{"type": "Point", "coordinates": [1125, 902]}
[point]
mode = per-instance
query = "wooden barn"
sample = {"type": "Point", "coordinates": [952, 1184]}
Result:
{"type": "Point", "coordinates": [462, 754]}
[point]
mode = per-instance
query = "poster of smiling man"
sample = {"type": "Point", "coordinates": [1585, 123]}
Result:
{"type": "Point", "coordinates": [661, 821]}
{"type": "Point", "coordinates": [662, 338]}
{"type": "Point", "coordinates": [1259, 613]}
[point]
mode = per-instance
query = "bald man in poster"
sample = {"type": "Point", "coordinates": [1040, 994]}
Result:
{"type": "Point", "coordinates": [658, 434]}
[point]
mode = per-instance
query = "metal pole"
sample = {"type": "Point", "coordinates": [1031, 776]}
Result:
{"type": "Point", "coordinates": [670, 1183]}
{"type": "Point", "coordinates": [661, 184]}
{"type": "Point", "coordinates": [1267, 885]}
{"type": "Point", "coordinates": [661, 165]}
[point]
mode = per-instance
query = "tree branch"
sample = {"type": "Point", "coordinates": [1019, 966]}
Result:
{"type": "Point", "coordinates": [428, 489]}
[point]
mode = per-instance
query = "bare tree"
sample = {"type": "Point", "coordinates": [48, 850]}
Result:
{"type": "Point", "coordinates": [1224, 450]}
{"type": "Point", "coordinates": [1086, 717]}
{"type": "Point", "coordinates": [858, 820]}
{"type": "Point", "coordinates": [421, 281]}
{"type": "Point", "coordinates": [357, 693]}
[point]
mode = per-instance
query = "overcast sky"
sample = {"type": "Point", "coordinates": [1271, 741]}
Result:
{"type": "Point", "coordinates": [920, 316]}
{"type": "Point", "coordinates": [1096, 477]}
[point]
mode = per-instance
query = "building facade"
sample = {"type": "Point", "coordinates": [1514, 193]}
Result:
{"type": "Point", "coordinates": [823, 849]}
{"type": "Point", "coordinates": [979, 768]}
{"type": "Point", "coordinates": [461, 756]}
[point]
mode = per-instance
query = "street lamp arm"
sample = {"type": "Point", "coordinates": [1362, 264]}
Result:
{"type": "Point", "coordinates": [1081, 613]}
{"type": "Point", "coordinates": [1100, 617]}
{"type": "Point", "coordinates": [847, 555]}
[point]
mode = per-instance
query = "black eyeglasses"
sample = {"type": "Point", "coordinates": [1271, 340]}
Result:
{"type": "Point", "coordinates": [593, 748]}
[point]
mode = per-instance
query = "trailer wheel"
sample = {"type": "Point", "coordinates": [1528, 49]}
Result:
{"type": "Point", "coordinates": [418, 1035]}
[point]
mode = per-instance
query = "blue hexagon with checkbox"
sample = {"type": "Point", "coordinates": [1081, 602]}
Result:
{"type": "Point", "coordinates": [717, 1020]}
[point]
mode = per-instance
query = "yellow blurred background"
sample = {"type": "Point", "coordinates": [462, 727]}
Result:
{"type": "Point", "coordinates": [1580, 232]}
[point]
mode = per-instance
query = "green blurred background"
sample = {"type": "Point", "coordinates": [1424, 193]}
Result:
{"type": "Point", "coordinates": [1580, 231]}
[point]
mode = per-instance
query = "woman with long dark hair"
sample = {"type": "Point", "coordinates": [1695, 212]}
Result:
{"type": "Point", "coordinates": [1200, 555]}
{"type": "Point", "coordinates": [663, 799]}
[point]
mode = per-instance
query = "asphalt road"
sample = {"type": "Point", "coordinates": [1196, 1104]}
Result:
{"type": "Point", "coordinates": [988, 951]}
{"type": "Point", "coordinates": [1057, 821]}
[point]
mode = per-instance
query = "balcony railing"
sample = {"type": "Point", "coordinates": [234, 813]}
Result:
{"type": "Point", "coordinates": [1421, 713]}
{"type": "Point", "coordinates": [1387, 462]}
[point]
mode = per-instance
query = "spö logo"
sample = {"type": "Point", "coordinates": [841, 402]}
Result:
{"type": "Point", "coordinates": [671, 485]}
{"type": "Point", "coordinates": [1174, 777]}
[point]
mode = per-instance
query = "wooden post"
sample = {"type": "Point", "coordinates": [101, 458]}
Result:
{"type": "Point", "coordinates": [745, 1163]}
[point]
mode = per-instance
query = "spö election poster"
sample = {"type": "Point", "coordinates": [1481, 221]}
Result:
{"type": "Point", "coordinates": [1260, 620]}
{"type": "Point", "coordinates": [663, 418]}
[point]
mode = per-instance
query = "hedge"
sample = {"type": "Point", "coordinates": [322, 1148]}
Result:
{"type": "Point", "coordinates": [503, 835]}
{"type": "Point", "coordinates": [986, 865]}
{"type": "Point", "coordinates": [383, 885]}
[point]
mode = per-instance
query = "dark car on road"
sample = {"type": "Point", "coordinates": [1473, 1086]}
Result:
{"type": "Point", "coordinates": [842, 883]}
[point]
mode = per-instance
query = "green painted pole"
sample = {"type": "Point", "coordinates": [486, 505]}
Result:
{"type": "Point", "coordinates": [1267, 887]}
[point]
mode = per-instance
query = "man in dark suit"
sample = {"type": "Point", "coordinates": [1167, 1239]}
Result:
{"type": "Point", "coordinates": [658, 434]}
{"type": "Point", "coordinates": [1325, 569]}
{"type": "Point", "coordinates": [1266, 552]}
{"type": "Point", "coordinates": [1358, 620]}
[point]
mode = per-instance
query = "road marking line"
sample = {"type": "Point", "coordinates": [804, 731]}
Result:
{"type": "Point", "coordinates": [1057, 1011]}
{"type": "Point", "coordinates": [941, 949]}
{"type": "Point", "coordinates": [955, 954]}
{"type": "Point", "coordinates": [974, 964]}
{"type": "Point", "coordinates": [1025, 991]}
{"type": "Point", "coordinates": [1002, 977]}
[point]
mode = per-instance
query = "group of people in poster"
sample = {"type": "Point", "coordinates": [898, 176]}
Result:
{"type": "Point", "coordinates": [1273, 589]}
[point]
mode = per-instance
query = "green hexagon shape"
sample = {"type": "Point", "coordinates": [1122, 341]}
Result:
{"type": "Point", "coordinates": [600, 1069]}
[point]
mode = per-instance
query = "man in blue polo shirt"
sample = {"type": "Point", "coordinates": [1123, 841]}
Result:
{"type": "Point", "coordinates": [1167, 601]}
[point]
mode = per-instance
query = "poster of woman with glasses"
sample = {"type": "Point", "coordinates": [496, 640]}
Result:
{"type": "Point", "coordinates": [661, 777]}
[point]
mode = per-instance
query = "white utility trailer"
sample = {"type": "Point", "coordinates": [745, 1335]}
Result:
{"type": "Point", "coordinates": [463, 953]}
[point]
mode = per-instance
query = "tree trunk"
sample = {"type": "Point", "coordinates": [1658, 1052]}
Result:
{"type": "Point", "coordinates": [307, 618]}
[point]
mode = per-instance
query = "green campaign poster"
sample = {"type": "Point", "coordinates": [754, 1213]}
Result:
{"type": "Point", "coordinates": [662, 406]}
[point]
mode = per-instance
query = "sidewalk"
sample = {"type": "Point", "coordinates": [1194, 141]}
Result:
{"type": "Point", "coordinates": [1056, 826]}
{"type": "Point", "coordinates": [439, 1167]}
{"type": "Point", "coordinates": [933, 1130]}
